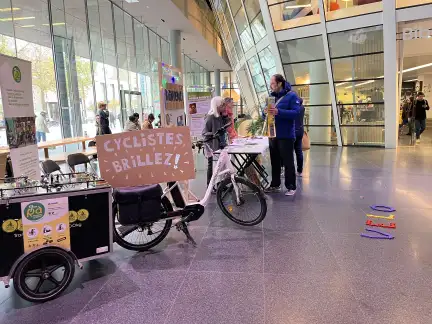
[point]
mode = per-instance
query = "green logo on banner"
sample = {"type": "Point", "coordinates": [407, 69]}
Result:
{"type": "Point", "coordinates": [34, 211]}
{"type": "Point", "coordinates": [16, 73]}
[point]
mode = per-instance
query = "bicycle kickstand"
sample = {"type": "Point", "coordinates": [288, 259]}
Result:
{"type": "Point", "coordinates": [182, 226]}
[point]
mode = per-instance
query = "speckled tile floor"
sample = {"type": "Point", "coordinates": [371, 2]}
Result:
{"type": "Point", "coordinates": [306, 263]}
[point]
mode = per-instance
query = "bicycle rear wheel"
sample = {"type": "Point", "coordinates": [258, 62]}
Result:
{"type": "Point", "coordinates": [252, 208]}
{"type": "Point", "coordinates": [142, 237]}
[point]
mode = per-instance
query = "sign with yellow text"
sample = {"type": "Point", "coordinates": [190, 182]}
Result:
{"type": "Point", "coordinates": [146, 157]}
{"type": "Point", "coordinates": [46, 222]}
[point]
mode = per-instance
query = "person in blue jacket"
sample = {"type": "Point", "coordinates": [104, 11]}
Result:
{"type": "Point", "coordinates": [286, 111]}
{"type": "Point", "coordinates": [299, 130]}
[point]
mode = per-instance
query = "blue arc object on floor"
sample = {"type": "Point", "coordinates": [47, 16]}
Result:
{"type": "Point", "coordinates": [384, 235]}
{"type": "Point", "coordinates": [383, 208]}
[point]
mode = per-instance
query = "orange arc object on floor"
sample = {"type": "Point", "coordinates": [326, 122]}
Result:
{"type": "Point", "coordinates": [370, 223]}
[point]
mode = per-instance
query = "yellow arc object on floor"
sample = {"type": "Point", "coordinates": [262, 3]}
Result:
{"type": "Point", "coordinates": [383, 217]}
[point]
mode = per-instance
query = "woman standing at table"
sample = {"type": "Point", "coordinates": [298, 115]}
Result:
{"type": "Point", "coordinates": [215, 120]}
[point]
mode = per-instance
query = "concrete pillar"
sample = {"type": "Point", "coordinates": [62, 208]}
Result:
{"type": "Point", "coordinates": [217, 82]}
{"type": "Point", "coordinates": [391, 96]}
{"type": "Point", "coordinates": [319, 115]}
{"type": "Point", "coordinates": [175, 48]}
{"type": "Point", "coordinates": [208, 82]}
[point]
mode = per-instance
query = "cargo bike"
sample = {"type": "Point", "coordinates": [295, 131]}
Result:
{"type": "Point", "coordinates": [50, 228]}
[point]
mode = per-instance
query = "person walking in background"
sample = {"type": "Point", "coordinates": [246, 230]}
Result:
{"type": "Point", "coordinates": [159, 123]}
{"type": "Point", "coordinates": [148, 123]}
{"type": "Point", "coordinates": [299, 130]}
{"type": "Point", "coordinates": [286, 111]}
{"type": "Point", "coordinates": [214, 121]}
{"type": "Point", "coordinates": [41, 127]}
{"type": "Point", "coordinates": [133, 123]}
{"type": "Point", "coordinates": [420, 106]}
{"type": "Point", "coordinates": [103, 124]}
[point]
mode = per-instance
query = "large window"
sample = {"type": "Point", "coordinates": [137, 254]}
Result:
{"type": "Point", "coordinates": [230, 89]}
{"type": "Point", "coordinates": [258, 79]}
{"type": "Point", "coordinates": [411, 3]}
{"type": "Point", "coordinates": [295, 13]}
{"type": "Point", "coordinates": [357, 59]}
{"type": "Point", "coordinates": [267, 64]}
{"type": "Point", "coordinates": [305, 68]}
{"type": "Point", "coordinates": [337, 9]}
{"type": "Point", "coordinates": [33, 43]}
{"type": "Point", "coordinates": [96, 52]}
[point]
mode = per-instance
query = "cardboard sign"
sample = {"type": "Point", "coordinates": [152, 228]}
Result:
{"type": "Point", "coordinates": [146, 157]}
{"type": "Point", "coordinates": [174, 97]}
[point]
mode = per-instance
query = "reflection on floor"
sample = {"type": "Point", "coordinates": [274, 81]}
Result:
{"type": "Point", "coordinates": [306, 264]}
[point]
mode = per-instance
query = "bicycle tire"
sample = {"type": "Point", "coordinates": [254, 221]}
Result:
{"type": "Point", "coordinates": [255, 189]}
{"type": "Point", "coordinates": [166, 204]}
{"type": "Point", "coordinates": [22, 273]}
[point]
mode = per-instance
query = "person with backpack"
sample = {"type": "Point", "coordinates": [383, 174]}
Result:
{"type": "Point", "coordinates": [286, 111]}
{"type": "Point", "coordinates": [419, 107]}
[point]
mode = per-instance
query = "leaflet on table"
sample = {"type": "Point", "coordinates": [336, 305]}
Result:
{"type": "Point", "coordinates": [46, 222]}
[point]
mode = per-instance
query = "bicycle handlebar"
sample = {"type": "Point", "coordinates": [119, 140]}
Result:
{"type": "Point", "coordinates": [211, 136]}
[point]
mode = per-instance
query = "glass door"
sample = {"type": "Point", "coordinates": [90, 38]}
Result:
{"type": "Point", "coordinates": [130, 103]}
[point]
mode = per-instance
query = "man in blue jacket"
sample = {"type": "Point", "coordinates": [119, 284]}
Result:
{"type": "Point", "coordinates": [286, 111]}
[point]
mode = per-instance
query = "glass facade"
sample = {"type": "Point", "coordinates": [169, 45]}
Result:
{"type": "Point", "coordinates": [83, 52]}
{"type": "Point", "coordinates": [305, 67]}
{"type": "Point", "coordinates": [358, 72]}
{"type": "Point", "coordinates": [332, 52]}
{"type": "Point", "coordinates": [230, 89]}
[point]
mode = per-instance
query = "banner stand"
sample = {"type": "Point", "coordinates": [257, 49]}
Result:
{"type": "Point", "coordinates": [19, 114]}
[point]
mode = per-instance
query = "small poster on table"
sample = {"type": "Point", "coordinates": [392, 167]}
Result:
{"type": "Point", "coordinates": [146, 157]}
{"type": "Point", "coordinates": [17, 99]}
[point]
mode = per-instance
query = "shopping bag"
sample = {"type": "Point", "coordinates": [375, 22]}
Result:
{"type": "Point", "coordinates": [305, 142]}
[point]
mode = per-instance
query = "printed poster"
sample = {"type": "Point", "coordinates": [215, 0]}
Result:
{"type": "Point", "coordinates": [144, 157]}
{"type": "Point", "coordinates": [46, 222]}
{"type": "Point", "coordinates": [17, 99]}
{"type": "Point", "coordinates": [198, 108]}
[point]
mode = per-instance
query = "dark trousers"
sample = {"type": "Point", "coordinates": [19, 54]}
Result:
{"type": "Point", "coordinates": [209, 169]}
{"type": "Point", "coordinates": [282, 149]}
{"type": "Point", "coordinates": [299, 153]}
{"type": "Point", "coordinates": [420, 126]}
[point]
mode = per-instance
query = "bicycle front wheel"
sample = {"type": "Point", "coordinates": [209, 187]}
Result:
{"type": "Point", "coordinates": [251, 208]}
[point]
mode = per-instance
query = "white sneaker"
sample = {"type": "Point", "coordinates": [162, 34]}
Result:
{"type": "Point", "coordinates": [299, 174]}
{"type": "Point", "coordinates": [290, 193]}
{"type": "Point", "coordinates": [418, 141]}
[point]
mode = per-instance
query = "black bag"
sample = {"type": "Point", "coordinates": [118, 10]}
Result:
{"type": "Point", "coordinates": [138, 205]}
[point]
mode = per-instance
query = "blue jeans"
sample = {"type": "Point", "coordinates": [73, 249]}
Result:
{"type": "Point", "coordinates": [41, 136]}
{"type": "Point", "coordinates": [420, 126]}
{"type": "Point", "coordinates": [299, 153]}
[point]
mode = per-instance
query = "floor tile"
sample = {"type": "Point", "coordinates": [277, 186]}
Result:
{"type": "Point", "coordinates": [295, 253]}
{"type": "Point", "coordinates": [123, 300]}
{"type": "Point", "coordinates": [230, 250]}
{"type": "Point", "coordinates": [214, 298]}
{"type": "Point", "coordinates": [319, 298]}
